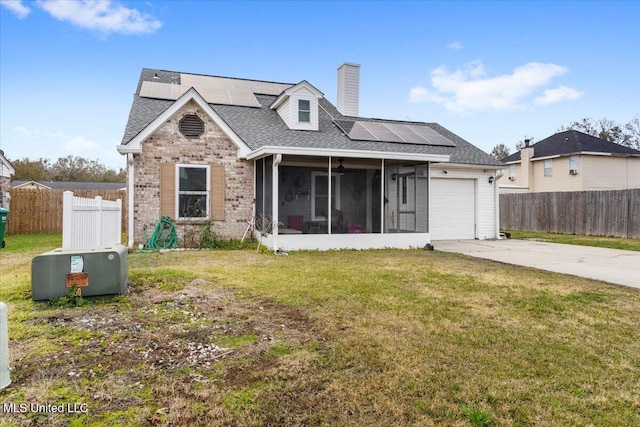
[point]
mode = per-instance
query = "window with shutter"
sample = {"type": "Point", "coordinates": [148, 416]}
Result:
{"type": "Point", "coordinates": [192, 191]}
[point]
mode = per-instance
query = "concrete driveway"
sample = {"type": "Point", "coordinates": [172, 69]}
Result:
{"type": "Point", "coordinates": [609, 265]}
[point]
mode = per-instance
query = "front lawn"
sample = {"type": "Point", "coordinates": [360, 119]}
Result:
{"type": "Point", "coordinates": [382, 338]}
{"type": "Point", "coordinates": [576, 239]}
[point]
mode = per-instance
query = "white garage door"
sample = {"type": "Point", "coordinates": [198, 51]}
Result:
{"type": "Point", "coordinates": [453, 209]}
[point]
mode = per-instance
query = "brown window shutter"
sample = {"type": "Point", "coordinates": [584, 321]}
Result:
{"type": "Point", "coordinates": [217, 192]}
{"type": "Point", "coordinates": [168, 190]}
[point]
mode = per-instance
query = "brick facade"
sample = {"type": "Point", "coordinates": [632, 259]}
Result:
{"type": "Point", "coordinates": [168, 145]}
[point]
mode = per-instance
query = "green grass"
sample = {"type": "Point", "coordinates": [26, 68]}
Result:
{"type": "Point", "coordinates": [572, 239]}
{"type": "Point", "coordinates": [388, 337]}
{"type": "Point", "coordinates": [31, 242]}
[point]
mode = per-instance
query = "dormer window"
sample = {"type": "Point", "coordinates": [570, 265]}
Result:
{"type": "Point", "coordinates": [298, 106]}
{"type": "Point", "coordinates": [304, 110]}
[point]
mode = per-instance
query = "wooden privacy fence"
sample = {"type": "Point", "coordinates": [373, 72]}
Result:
{"type": "Point", "coordinates": [90, 223]}
{"type": "Point", "coordinates": [40, 211]}
{"type": "Point", "coordinates": [614, 213]}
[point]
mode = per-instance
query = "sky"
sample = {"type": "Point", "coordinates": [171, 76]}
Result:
{"type": "Point", "coordinates": [490, 72]}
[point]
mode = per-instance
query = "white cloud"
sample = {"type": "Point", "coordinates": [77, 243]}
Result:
{"type": "Point", "coordinates": [469, 88]}
{"type": "Point", "coordinates": [79, 146]}
{"type": "Point", "coordinates": [455, 46]}
{"type": "Point", "coordinates": [104, 16]}
{"type": "Point", "coordinates": [419, 94]}
{"type": "Point", "coordinates": [35, 132]}
{"type": "Point", "coordinates": [559, 94]}
{"type": "Point", "coordinates": [16, 6]}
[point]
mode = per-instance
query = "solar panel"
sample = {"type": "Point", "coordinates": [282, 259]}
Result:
{"type": "Point", "coordinates": [360, 132]}
{"type": "Point", "coordinates": [345, 125]}
{"type": "Point", "coordinates": [161, 90]}
{"type": "Point", "coordinates": [215, 90]}
{"type": "Point", "coordinates": [432, 136]}
{"type": "Point", "coordinates": [392, 132]}
{"type": "Point", "coordinates": [381, 131]}
{"type": "Point", "coordinates": [407, 134]}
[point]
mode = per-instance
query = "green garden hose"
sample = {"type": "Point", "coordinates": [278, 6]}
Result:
{"type": "Point", "coordinates": [163, 237]}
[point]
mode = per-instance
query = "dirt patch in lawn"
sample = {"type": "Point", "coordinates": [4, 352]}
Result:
{"type": "Point", "coordinates": [162, 356]}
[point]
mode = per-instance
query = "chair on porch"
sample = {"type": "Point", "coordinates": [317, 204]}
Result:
{"type": "Point", "coordinates": [337, 221]}
{"type": "Point", "coordinates": [296, 222]}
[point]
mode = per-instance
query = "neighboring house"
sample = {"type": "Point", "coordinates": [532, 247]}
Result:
{"type": "Point", "coordinates": [221, 152]}
{"type": "Point", "coordinates": [68, 185]}
{"type": "Point", "coordinates": [571, 161]}
{"type": "Point", "coordinates": [6, 172]}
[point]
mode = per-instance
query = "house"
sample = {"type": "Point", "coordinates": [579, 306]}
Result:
{"type": "Point", "coordinates": [571, 161]}
{"type": "Point", "coordinates": [226, 152]}
{"type": "Point", "coordinates": [68, 185]}
{"type": "Point", "coordinates": [6, 172]}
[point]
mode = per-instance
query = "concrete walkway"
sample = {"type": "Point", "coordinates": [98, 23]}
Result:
{"type": "Point", "coordinates": [609, 265]}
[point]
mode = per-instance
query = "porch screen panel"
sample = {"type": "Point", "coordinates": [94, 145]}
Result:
{"type": "Point", "coordinates": [303, 195]}
{"type": "Point", "coordinates": [266, 216]}
{"type": "Point", "coordinates": [354, 215]}
{"type": "Point", "coordinates": [259, 208]}
{"type": "Point", "coordinates": [374, 199]}
{"type": "Point", "coordinates": [406, 206]}
{"type": "Point", "coordinates": [422, 198]}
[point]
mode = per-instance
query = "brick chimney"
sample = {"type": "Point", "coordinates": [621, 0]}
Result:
{"type": "Point", "coordinates": [349, 89]}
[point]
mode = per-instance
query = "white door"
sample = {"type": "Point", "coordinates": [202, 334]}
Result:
{"type": "Point", "coordinates": [453, 209]}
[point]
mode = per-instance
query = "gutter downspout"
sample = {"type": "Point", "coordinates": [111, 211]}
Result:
{"type": "Point", "coordinates": [499, 174]}
{"type": "Point", "coordinates": [130, 207]}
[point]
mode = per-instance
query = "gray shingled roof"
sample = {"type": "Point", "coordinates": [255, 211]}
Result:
{"type": "Point", "coordinates": [573, 142]}
{"type": "Point", "coordinates": [260, 127]}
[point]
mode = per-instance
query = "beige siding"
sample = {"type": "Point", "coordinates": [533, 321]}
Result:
{"type": "Point", "coordinates": [610, 173]}
{"type": "Point", "coordinates": [520, 179]}
{"type": "Point", "coordinates": [594, 173]}
{"type": "Point", "coordinates": [561, 179]}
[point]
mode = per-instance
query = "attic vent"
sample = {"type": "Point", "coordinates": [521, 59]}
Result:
{"type": "Point", "coordinates": [191, 126]}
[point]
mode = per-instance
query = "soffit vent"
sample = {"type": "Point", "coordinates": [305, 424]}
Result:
{"type": "Point", "coordinates": [191, 126]}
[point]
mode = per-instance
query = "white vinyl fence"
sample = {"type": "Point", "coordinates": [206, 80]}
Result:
{"type": "Point", "coordinates": [90, 223]}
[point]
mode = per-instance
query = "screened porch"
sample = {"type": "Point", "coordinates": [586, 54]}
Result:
{"type": "Point", "coordinates": [305, 195]}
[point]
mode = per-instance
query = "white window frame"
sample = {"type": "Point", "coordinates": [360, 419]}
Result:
{"type": "Point", "coordinates": [207, 192]}
{"type": "Point", "coordinates": [574, 163]}
{"type": "Point", "coordinates": [512, 172]}
{"type": "Point", "coordinates": [336, 196]}
{"type": "Point", "coordinates": [548, 167]}
{"type": "Point", "coordinates": [306, 111]}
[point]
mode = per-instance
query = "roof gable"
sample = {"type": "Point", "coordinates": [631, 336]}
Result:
{"type": "Point", "coordinates": [572, 142]}
{"type": "Point", "coordinates": [303, 88]}
{"type": "Point", "coordinates": [7, 169]}
{"type": "Point", "coordinates": [135, 144]}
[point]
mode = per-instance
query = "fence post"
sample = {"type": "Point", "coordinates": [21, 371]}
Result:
{"type": "Point", "coordinates": [67, 219]}
{"type": "Point", "coordinates": [119, 227]}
